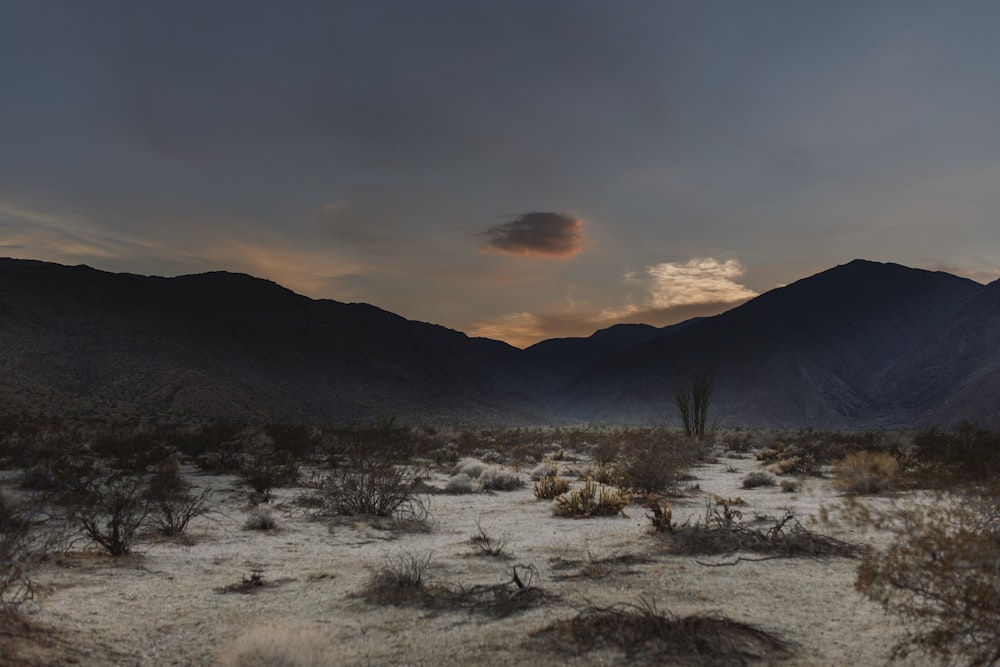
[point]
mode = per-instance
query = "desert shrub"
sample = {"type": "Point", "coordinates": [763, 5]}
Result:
{"type": "Point", "coordinates": [796, 465]}
{"type": "Point", "coordinates": [402, 580]}
{"type": "Point", "coordinates": [264, 470]}
{"type": "Point", "coordinates": [381, 490]}
{"type": "Point", "coordinates": [592, 499]}
{"type": "Point", "coordinates": [488, 545]}
{"type": "Point", "coordinates": [661, 514]}
{"type": "Point", "coordinates": [643, 631]}
{"type": "Point", "coordinates": [939, 572]}
{"type": "Point", "coordinates": [277, 646]}
{"type": "Point", "coordinates": [527, 451]}
{"type": "Point", "coordinates": [653, 461]}
{"type": "Point", "coordinates": [110, 509]}
{"type": "Point", "coordinates": [260, 518]}
{"type": "Point", "coordinates": [399, 579]}
{"type": "Point", "coordinates": [737, 441]}
{"type": "Point", "coordinates": [543, 469]}
{"type": "Point", "coordinates": [866, 473]}
{"type": "Point", "coordinates": [460, 484]}
{"type": "Point", "coordinates": [966, 454]}
{"type": "Point", "coordinates": [173, 504]}
{"type": "Point", "coordinates": [548, 488]}
{"type": "Point", "coordinates": [755, 479]}
{"type": "Point", "coordinates": [723, 532]}
{"type": "Point", "coordinates": [789, 485]}
{"type": "Point", "coordinates": [20, 546]}
{"type": "Point", "coordinates": [472, 468]}
{"type": "Point", "coordinates": [498, 479]}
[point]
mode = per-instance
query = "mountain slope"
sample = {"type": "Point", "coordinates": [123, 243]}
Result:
{"type": "Point", "coordinates": [230, 345]}
{"type": "Point", "coordinates": [816, 352]}
{"type": "Point", "coordinates": [860, 345]}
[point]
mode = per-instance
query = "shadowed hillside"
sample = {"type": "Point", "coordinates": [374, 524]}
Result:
{"type": "Point", "coordinates": [860, 345]}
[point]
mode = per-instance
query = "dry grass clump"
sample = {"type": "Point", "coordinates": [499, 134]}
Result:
{"type": "Point", "coordinates": [402, 581]}
{"type": "Point", "coordinates": [644, 632]}
{"type": "Point", "coordinates": [755, 479]}
{"type": "Point", "coordinates": [471, 468]}
{"type": "Point", "coordinates": [548, 488]}
{"type": "Point", "coordinates": [866, 473]}
{"type": "Point", "coordinates": [271, 646]}
{"type": "Point", "coordinates": [461, 484]}
{"type": "Point", "coordinates": [488, 545]}
{"type": "Point", "coordinates": [592, 499]}
{"type": "Point", "coordinates": [498, 479]}
{"type": "Point", "coordinates": [790, 485]}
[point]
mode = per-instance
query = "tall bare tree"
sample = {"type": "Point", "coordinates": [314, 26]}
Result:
{"type": "Point", "coordinates": [693, 396]}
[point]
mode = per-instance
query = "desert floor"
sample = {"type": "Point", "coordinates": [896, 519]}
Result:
{"type": "Point", "coordinates": [164, 604]}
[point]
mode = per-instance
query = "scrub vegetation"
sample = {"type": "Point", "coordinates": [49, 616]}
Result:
{"type": "Point", "coordinates": [928, 502]}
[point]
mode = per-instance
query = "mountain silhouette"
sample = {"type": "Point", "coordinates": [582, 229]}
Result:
{"type": "Point", "coordinates": [861, 345]}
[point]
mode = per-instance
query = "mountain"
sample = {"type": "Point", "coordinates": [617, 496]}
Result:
{"type": "Point", "coordinates": [821, 351]}
{"type": "Point", "coordinates": [861, 345]}
{"type": "Point", "coordinates": [228, 345]}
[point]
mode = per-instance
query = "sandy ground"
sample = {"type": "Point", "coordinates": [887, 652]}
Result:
{"type": "Point", "coordinates": [162, 605]}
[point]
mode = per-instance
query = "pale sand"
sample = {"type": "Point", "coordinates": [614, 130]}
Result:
{"type": "Point", "coordinates": [160, 607]}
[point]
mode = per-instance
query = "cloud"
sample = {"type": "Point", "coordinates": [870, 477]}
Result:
{"type": "Point", "coordinates": [538, 233]}
{"type": "Point", "coordinates": [668, 293]}
{"type": "Point", "coordinates": [703, 280]}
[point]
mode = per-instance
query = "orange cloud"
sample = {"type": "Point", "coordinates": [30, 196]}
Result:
{"type": "Point", "coordinates": [538, 233]}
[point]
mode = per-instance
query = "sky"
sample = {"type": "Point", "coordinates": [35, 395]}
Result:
{"type": "Point", "coordinates": [514, 169]}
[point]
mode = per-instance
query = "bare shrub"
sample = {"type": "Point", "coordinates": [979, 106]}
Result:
{"type": "Point", "coordinates": [722, 532]}
{"type": "Point", "coordinates": [498, 479]}
{"type": "Point", "coordinates": [379, 490]}
{"type": "Point", "coordinates": [20, 547]}
{"type": "Point", "coordinates": [110, 509]}
{"type": "Point", "coordinates": [644, 631]}
{"type": "Point", "coordinates": [260, 518]}
{"type": "Point", "coordinates": [402, 581]}
{"type": "Point", "coordinates": [939, 572]}
{"type": "Point", "coordinates": [866, 473]}
{"type": "Point", "coordinates": [173, 503]}
{"type": "Point", "coordinates": [755, 479]}
{"type": "Point", "coordinates": [548, 488]}
{"type": "Point", "coordinates": [399, 580]}
{"type": "Point", "coordinates": [653, 461]}
{"type": "Point", "coordinates": [592, 499]}
{"type": "Point", "coordinates": [488, 545]}
{"type": "Point", "coordinates": [277, 646]}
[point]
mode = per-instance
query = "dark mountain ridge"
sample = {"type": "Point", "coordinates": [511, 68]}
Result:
{"type": "Point", "coordinates": [861, 345]}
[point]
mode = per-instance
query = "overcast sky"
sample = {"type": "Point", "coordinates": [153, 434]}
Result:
{"type": "Point", "coordinates": [520, 170]}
